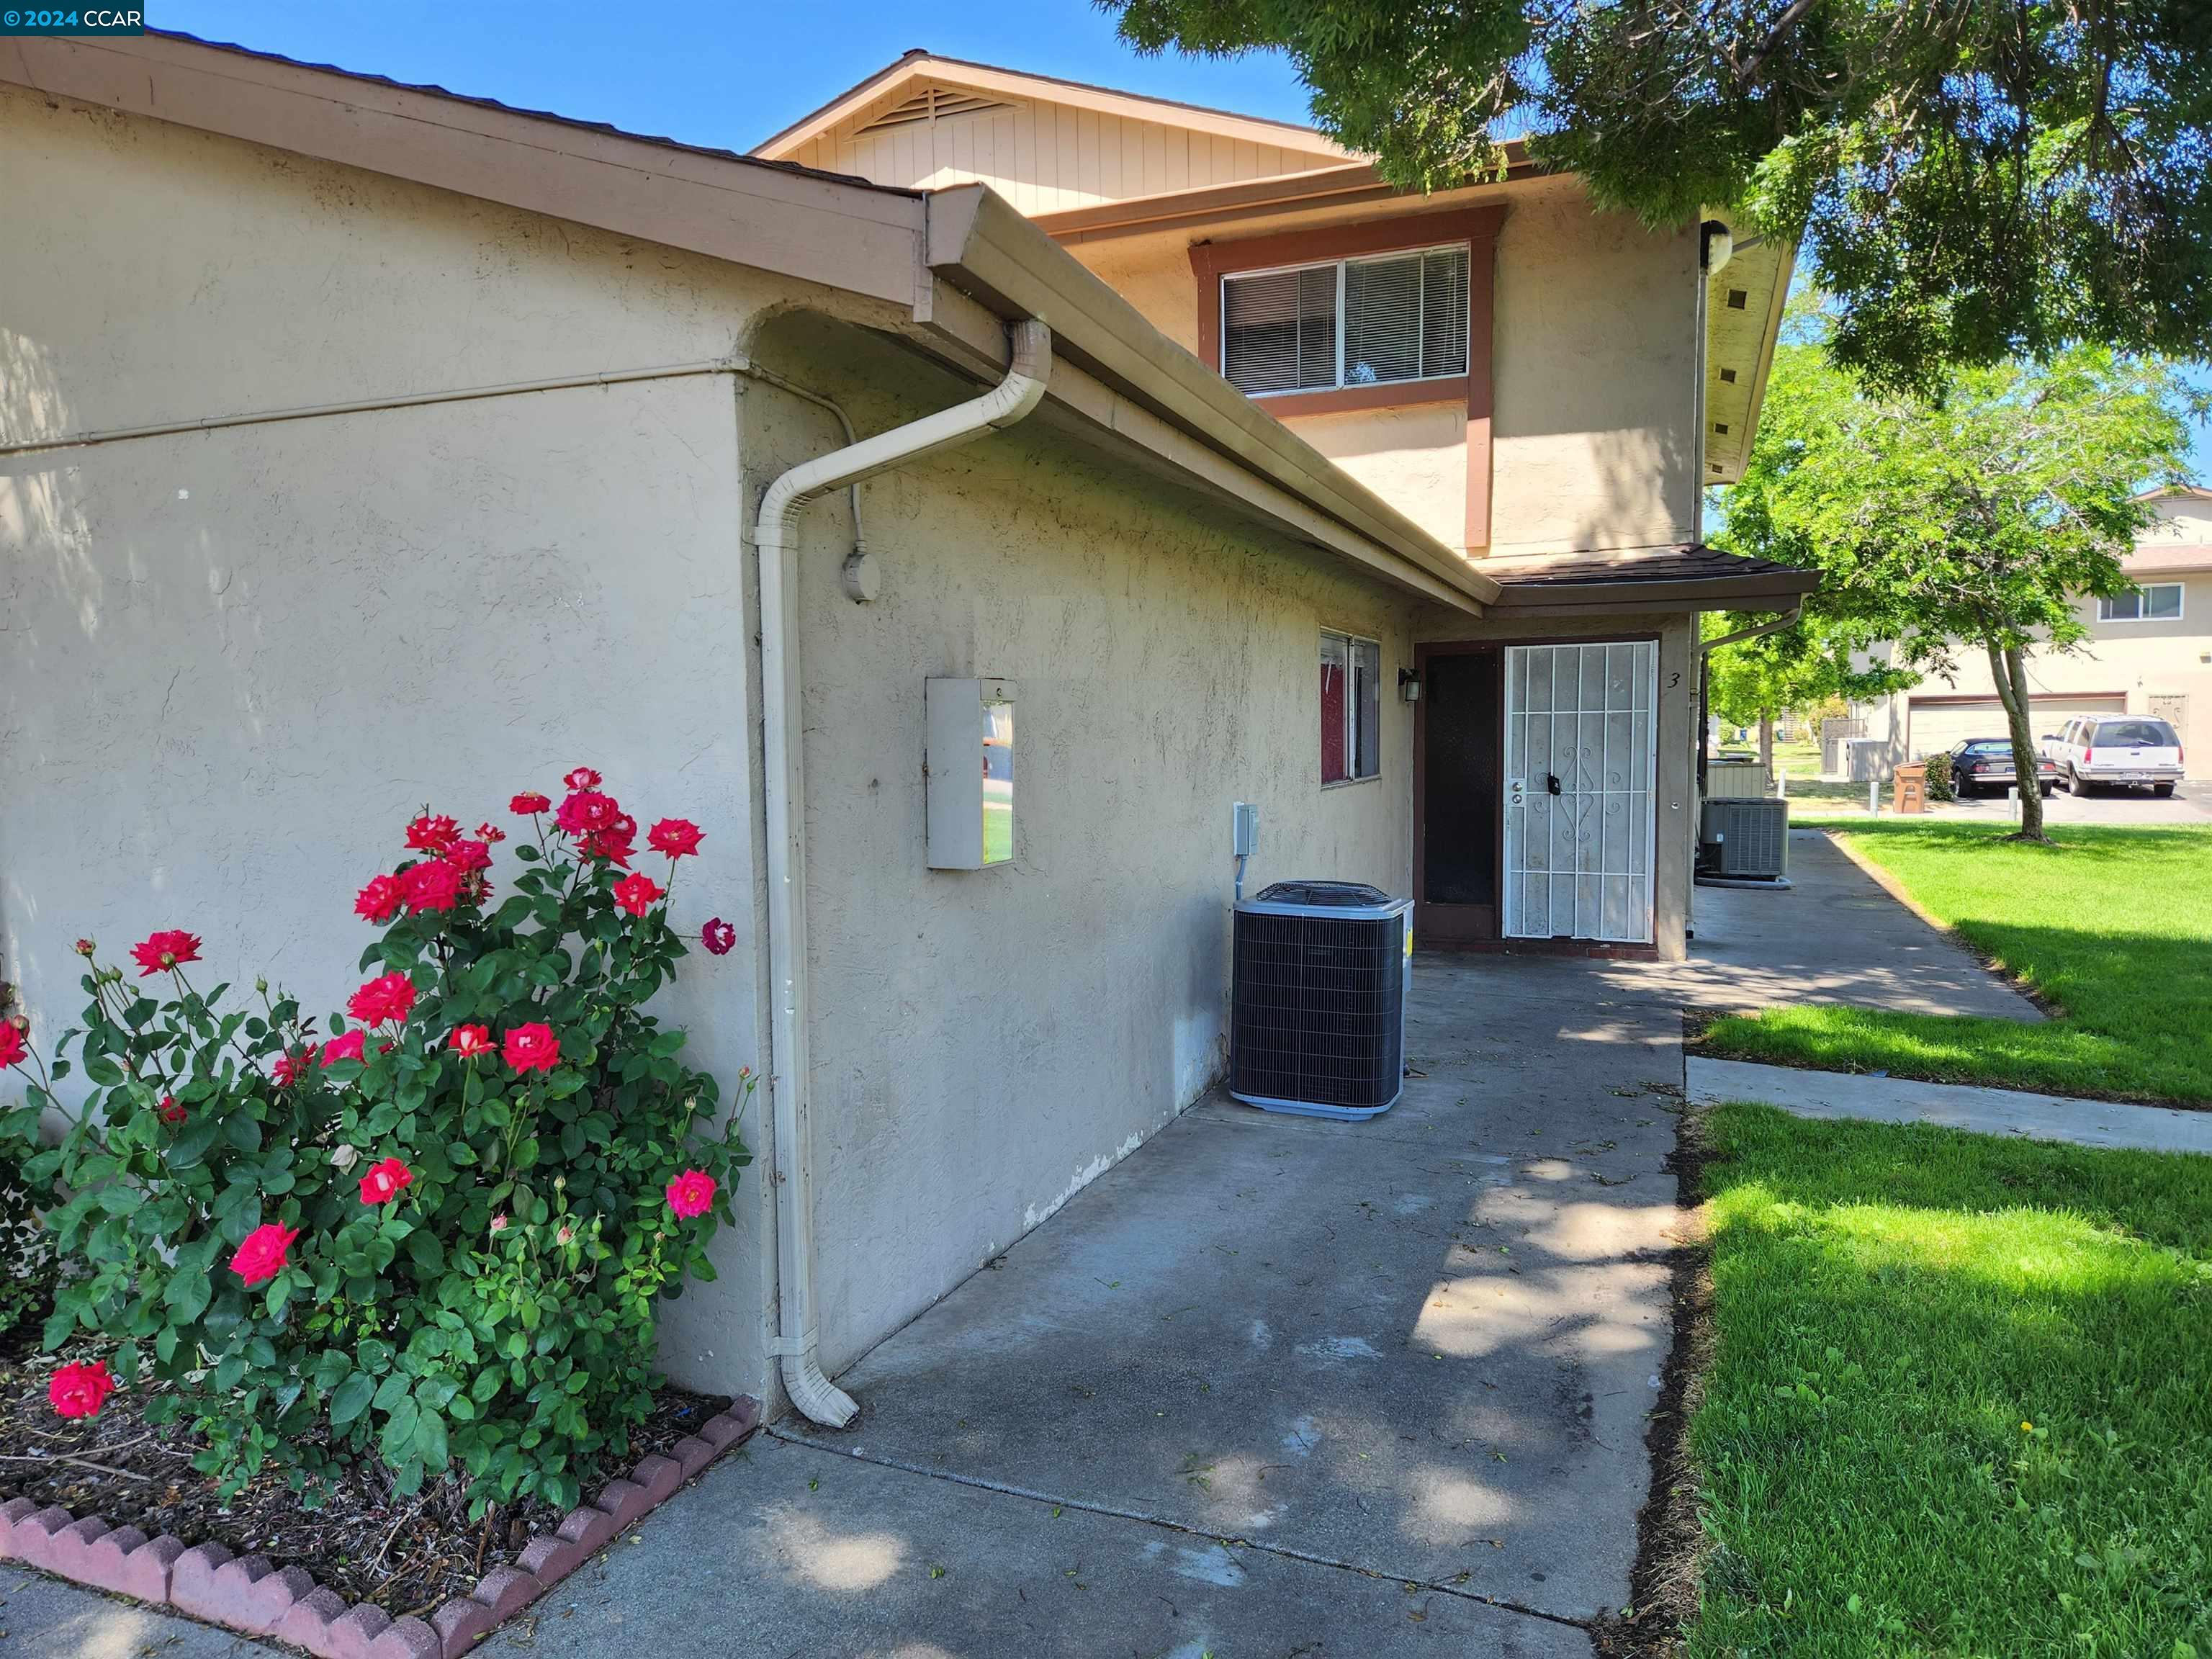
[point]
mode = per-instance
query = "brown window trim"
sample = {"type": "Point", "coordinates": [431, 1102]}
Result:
{"type": "Point", "coordinates": [1477, 227]}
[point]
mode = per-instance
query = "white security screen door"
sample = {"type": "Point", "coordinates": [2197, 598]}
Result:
{"type": "Point", "coordinates": [1580, 735]}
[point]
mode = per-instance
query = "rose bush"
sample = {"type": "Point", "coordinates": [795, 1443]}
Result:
{"type": "Point", "coordinates": [436, 1234]}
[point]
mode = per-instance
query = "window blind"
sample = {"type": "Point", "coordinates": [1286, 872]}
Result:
{"type": "Point", "coordinates": [1278, 329]}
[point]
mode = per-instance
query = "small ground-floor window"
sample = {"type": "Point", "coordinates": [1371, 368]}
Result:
{"type": "Point", "coordinates": [1350, 708]}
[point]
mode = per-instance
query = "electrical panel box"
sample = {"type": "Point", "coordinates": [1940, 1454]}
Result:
{"type": "Point", "coordinates": [970, 758]}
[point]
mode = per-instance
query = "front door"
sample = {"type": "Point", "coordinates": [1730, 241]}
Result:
{"type": "Point", "coordinates": [1580, 725]}
{"type": "Point", "coordinates": [1457, 725]}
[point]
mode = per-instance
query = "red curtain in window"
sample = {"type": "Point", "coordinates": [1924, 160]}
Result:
{"type": "Point", "coordinates": [1333, 768]}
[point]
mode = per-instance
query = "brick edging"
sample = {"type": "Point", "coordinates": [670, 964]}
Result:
{"type": "Point", "coordinates": [252, 1595]}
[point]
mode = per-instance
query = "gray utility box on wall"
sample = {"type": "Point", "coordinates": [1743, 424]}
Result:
{"type": "Point", "coordinates": [1745, 840]}
{"type": "Point", "coordinates": [970, 758]}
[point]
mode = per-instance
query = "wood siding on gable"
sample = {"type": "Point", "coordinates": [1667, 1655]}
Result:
{"type": "Point", "coordinates": [1045, 157]}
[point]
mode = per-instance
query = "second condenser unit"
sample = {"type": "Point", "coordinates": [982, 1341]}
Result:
{"type": "Point", "coordinates": [1321, 973]}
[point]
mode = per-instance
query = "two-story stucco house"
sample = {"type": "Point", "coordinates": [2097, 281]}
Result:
{"type": "Point", "coordinates": [363, 445]}
{"type": "Point", "coordinates": [1542, 387]}
{"type": "Point", "coordinates": [2147, 652]}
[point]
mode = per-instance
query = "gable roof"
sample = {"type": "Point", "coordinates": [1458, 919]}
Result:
{"type": "Point", "coordinates": [922, 71]}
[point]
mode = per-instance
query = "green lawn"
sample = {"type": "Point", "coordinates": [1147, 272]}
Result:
{"type": "Point", "coordinates": [1961, 1400]}
{"type": "Point", "coordinates": [2114, 926]}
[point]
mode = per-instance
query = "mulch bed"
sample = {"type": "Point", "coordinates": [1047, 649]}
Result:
{"type": "Point", "coordinates": [406, 1555]}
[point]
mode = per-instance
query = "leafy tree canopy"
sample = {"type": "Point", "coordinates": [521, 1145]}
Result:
{"type": "Point", "coordinates": [1971, 180]}
{"type": "Point", "coordinates": [1974, 522]}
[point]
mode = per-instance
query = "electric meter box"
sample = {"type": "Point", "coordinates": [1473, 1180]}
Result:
{"type": "Point", "coordinates": [970, 760]}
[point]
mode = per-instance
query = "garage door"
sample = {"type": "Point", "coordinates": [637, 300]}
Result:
{"type": "Point", "coordinates": [1937, 723]}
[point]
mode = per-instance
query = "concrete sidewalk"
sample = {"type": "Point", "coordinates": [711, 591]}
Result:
{"type": "Point", "coordinates": [2068, 1118]}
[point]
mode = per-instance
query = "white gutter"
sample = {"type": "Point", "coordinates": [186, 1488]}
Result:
{"type": "Point", "coordinates": [774, 534]}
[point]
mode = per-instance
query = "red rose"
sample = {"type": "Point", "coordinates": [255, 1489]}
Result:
{"type": "Point", "coordinates": [286, 1072]}
{"type": "Point", "coordinates": [432, 832]}
{"type": "Point", "coordinates": [262, 1257]}
{"type": "Point", "coordinates": [85, 947]}
{"type": "Point", "coordinates": [433, 885]}
{"type": "Point", "coordinates": [530, 1049]}
{"type": "Point", "coordinates": [719, 937]}
{"type": "Point", "coordinates": [384, 1181]}
{"type": "Point", "coordinates": [529, 804]}
{"type": "Point", "coordinates": [613, 843]}
{"type": "Point", "coordinates": [348, 1047]}
{"type": "Point", "coordinates": [468, 856]}
{"type": "Point", "coordinates": [379, 900]}
{"type": "Point", "coordinates": [80, 1390]}
{"type": "Point", "coordinates": [173, 1111]}
{"type": "Point", "coordinates": [13, 1049]}
{"type": "Point", "coordinates": [388, 997]}
{"type": "Point", "coordinates": [470, 1041]}
{"type": "Point", "coordinates": [691, 1194]}
{"type": "Point", "coordinates": [585, 811]}
{"type": "Point", "coordinates": [490, 833]}
{"type": "Point", "coordinates": [636, 892]}
{"type": "Point", "coordinates": [159, 953]}
{"type": "Point", "coordinates": [583, 778]}
{"type": "Point", "coordinates": [677, 837]}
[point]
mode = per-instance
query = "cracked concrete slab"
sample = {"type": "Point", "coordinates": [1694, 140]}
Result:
{"type": "Point", "coordinates": [1423, 1346]}
{"type": "Point", "coordinates": [788, 1549]}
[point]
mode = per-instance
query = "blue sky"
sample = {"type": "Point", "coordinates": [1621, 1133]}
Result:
{"type": "Point", "coordinates": [728, 74]}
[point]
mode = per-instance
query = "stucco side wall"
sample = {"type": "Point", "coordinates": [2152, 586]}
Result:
{"type": "Point", "coordinates": [986, 1042]}
{"type": "Point", "coordinates": [1415, 457]}
{"type": "Point", "coordinates": [1594, 441]}
{"type": "Point", "coordinates": [234, 663]}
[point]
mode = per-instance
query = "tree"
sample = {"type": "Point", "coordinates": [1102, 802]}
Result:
{"type": "Point", "coordinates": [1975, 523]}
{"type": "Point", "coordinates": [1820, 657]}
{"type": "Point", "coordinates": [1971, 180]}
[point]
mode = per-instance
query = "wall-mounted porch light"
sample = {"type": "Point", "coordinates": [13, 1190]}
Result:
{"type": "Point", "coordinates": [1409, 685]}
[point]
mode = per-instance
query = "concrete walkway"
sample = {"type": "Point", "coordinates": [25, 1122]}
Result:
{"type": "Point", "coordinates": [1274, 1385]}
{"type": "Point", "coordinates": [1835, 937]}
{"type": "Point", "coordinates": [1956, 1106]}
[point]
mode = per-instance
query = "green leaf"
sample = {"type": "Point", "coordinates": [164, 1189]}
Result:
{"type": "Point", "coordinates": [187, 1295]}
{"type": "Point", "coordinates": [398, 1441]}
{"type": "Point", "coordinates": [351, 1399]}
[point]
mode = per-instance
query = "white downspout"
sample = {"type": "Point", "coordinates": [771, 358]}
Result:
{"type": "Point", "coordinates": [774, 534]}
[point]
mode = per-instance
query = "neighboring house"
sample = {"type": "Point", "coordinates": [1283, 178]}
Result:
{"type": "Point", "coordinates": [2149, 651]}
{"type": "Point", "coordinates": [362, 445]}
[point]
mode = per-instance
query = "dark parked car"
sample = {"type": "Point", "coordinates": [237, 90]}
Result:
{"type": "Point", "coordinates": [1985, 763]}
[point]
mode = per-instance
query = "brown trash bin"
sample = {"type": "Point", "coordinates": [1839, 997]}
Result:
{"type": "Point", "coordinates": [1908, 790]}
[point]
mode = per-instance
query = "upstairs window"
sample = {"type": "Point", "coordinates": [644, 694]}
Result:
{"type": "Point", "coordinates": [1381, 321]}
{"type": "Point", "coordinates": [2154, 602]}
{"type": "Point", "coordinates": [1350, 708]}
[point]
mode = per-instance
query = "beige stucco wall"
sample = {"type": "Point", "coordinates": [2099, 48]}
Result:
{"type": "Point", "coordinates": [1595, 374]}
{"type": "Point", "coordinates": [988, 1042]}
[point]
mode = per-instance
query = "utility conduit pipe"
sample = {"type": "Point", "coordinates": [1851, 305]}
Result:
{"type": "Point", "coordinates": [775, 536]}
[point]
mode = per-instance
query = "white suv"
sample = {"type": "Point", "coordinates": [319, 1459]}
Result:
{"type": "Point", "coordinates": [2128, 750]}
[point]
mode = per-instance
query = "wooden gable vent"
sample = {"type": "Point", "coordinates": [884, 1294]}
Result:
{"type": "Point", "coordinates": [933, 104]}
